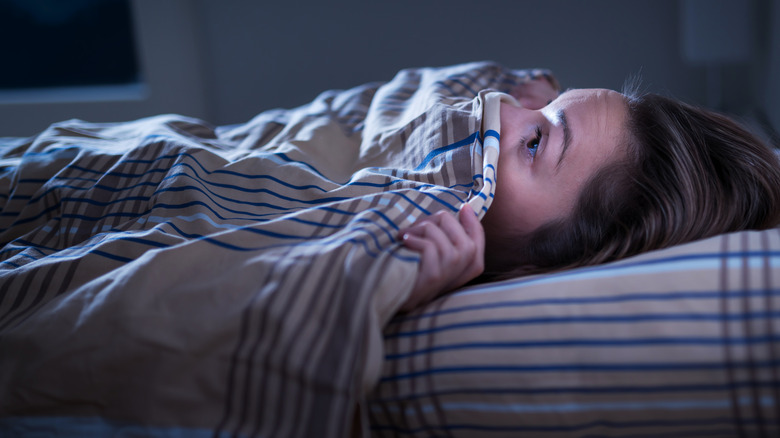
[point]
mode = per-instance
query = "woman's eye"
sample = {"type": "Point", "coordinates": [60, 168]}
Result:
{"type": "Point", "coordinates": [533, 145]}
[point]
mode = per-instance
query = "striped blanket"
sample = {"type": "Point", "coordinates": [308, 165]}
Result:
{"type": "Point", "coordinates": [167, 277]}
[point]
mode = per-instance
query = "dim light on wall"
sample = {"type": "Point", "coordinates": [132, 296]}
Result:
{"type": "Point", "coordinates": [715, 33]}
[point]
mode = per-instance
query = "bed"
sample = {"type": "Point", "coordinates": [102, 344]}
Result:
{"type": "Point", "coordinates": [167, 277]}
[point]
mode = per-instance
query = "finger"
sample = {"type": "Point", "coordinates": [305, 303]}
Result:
{"type": "Point", "coordinates": [464, 256]}
{"type": "Point", "coordinates": [464, 231]}
{"type": "Point", "coordinates": [429, 277]}
{"type": "Point", "coordinates": [454, 231]}
{"type": "Point", "coordinates": [429, 232]}
{"type": "Point", "coordinates": [471, 225]}
{"type": "Point", "coordinates": [414, 240]}
{"type": "Point", "coordinates": [429, 255]}
{"type": "Point", "coordinates": [435, 233]}
{"type": "Point", "coordinates": [449, 256]}
{"type": "Point", "coordinates": [425, 227]}
{"type": "Point", "coordinates": [418, 228]}
{"type": "Point", "coordinates": [465, 249]}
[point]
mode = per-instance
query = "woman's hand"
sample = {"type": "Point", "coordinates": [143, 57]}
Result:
{"type": "Point", "coordinates": [452, 252]}
{"type": "Point", "coordinates": [536, 93]}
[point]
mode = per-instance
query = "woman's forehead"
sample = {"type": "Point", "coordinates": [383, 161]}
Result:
{"type": "Point", "coordinates": [577, 95]}
{"type": "Point", "coordinates": [599, 105]}
{"type": "Point", "coordinates": [595, 120]}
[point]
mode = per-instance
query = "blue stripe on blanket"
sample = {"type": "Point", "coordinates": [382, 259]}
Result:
{"type": "Point", "coordinates": [206, 191]}
{"type": "Point", "coordinates": [569, 407]}
{"type": "Point", "coordinates": [718, 341]}
{"type": "Point", "coordinates": [624, 318]}
{"type": "Point", "coordinates": [188, 155]}
{"type": "Point", "coordinates": [208, 206]}
{"type": "Point", "coordinates": [168, 221]}
{"type": "Point", "coordinates": [198, 216]}
{"type": "Point", "coordinates": [77, 250]}
{"type": "Point", "coordinates": [595, 389]}
{"type": "Point", "coordinates": [492, 133]}
{"type": "Point", "coordinates": [74, 252]}
{"type": "Point", "coordinates": [580, 300]}
{"type": "Point", "coordinates": [710, 427]}
{"type": "Point", "coordinates": [725, 431]}
{"type": "Point", "coordinates": [438, 151]}
{"type": "Point", "coordinates": [589, 368]}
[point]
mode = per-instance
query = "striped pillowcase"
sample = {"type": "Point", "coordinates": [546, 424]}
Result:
{"type": "Point", "coordinates": [678, 342]}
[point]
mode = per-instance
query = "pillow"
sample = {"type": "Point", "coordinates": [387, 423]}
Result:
{"type": "Point", "coordinates": [677, 342]}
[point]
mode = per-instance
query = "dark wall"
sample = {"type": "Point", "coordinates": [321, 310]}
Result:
{"type": "Point", "coordinates": [225, 61]}
{"type": "Point", "coordinates": [281, 54]}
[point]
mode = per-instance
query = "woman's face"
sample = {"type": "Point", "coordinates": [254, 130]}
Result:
{"type": "Point", "coordinates": [547, 155]}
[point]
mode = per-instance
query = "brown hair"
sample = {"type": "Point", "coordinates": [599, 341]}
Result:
{"type": "Point", "coordinates": [690, 173]}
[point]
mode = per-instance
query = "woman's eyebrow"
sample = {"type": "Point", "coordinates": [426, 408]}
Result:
{"type": "Point", "coordinates": [567, 136]}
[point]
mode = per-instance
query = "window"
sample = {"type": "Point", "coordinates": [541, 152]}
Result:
{"type": "Point", "coordinates": [73, 43]}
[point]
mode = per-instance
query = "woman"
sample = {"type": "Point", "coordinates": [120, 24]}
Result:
{"type": "Point", "coordinates": [596, 176]}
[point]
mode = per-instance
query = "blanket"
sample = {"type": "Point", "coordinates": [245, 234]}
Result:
{"type": "Point", "coordinates": [165, 276]}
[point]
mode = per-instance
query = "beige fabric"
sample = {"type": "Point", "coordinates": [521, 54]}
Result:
{"type": "Point", "coordinates": [168, 275]}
